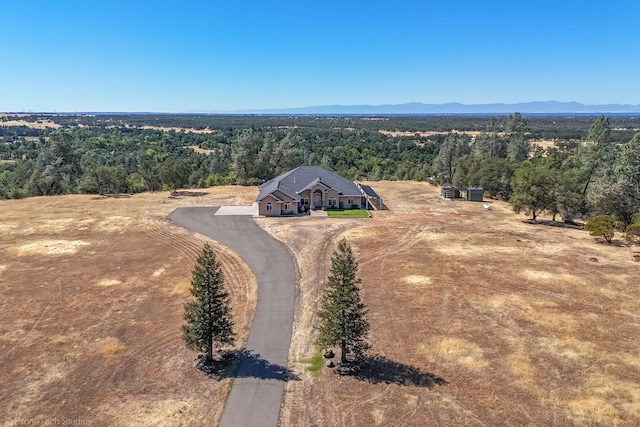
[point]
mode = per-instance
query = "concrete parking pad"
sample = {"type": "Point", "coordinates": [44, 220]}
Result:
{"type": "Point", "coordinates": [237, 210]}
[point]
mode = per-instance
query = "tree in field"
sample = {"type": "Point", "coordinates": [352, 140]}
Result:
{"type": "Point", "coordinates": [569, 198]}
{"type": "Point", "coordinates": [633, 233]}
{"type": "Point", "coordinates": [175, 173]}
{"type": "Point", "coordinates": [342, 314]}
{"type": "Point", "coordinates": [533, 189]}
{"type": "Point", "coordinates": [208, 316]}
{"type": "Point", "coordinates": [601, 225]}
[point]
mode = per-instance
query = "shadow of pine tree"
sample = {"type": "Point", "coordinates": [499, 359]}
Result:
{"type": "Point", "coordinates": [378, 369]}
{"type": "Point", "coordinates": [247, 364]}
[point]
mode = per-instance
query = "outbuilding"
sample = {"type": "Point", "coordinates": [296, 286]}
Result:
{"type": "Point", "coordinates": [474, 194]}
{"type": "Point", "coordinates": [450, 192]}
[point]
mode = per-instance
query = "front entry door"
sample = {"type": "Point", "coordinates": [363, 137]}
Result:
{"type": "Point", "coordinates": [317, 200]}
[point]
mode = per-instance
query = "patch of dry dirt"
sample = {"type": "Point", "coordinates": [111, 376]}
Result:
{"type": "Point", "coordinates": [200, 150]}
{"type": "Point", "coordinates": [396, 133]}
{"type": "Point", "coordinates": [172, 128]}
{"type": "Point", "coordinates": [40, 124]}
{"type": "Point", "coordinates": [517, 321]}
{"type": "Point", "coordinates": [91, 304]}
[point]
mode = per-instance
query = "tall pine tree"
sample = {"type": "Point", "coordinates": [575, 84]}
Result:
{"type": "Point", "coordinates": [342, 314]}
{"type": "Point", "coordinates": [208, 316]}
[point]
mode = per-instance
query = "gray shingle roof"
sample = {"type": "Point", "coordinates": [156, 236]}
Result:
{"type": "Point", "coordinates": [302, 177]}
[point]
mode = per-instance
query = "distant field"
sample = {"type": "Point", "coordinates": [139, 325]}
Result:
{"type": "Point", "coordinates": [396, 133]}
{"type": "Point", "coordinates": [40, 124]}
{"type": "Point", "coordinates": [174, 128]}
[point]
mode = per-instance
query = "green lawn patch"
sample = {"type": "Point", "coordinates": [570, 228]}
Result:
{"type": "Point", "coordinates": [315, 364]}
{"type": "Point", "coordinates": [350, 213]}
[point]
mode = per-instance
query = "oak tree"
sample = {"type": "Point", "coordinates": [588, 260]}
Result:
{"type": "Point", "coordinates": [601, 225]}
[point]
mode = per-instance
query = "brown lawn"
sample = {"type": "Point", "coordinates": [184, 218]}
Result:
{"type": "Point", "coordinates": [524, 329]}
{"type": "Point", "coordinates": [91, 303]}
{"type": "Point", "coordinates": [517, 319]}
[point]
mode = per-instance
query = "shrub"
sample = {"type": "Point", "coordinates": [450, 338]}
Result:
{"type": "Point", "coordinates": [601, 225]}
{"type": "Point", "coordinates": [633, 234]}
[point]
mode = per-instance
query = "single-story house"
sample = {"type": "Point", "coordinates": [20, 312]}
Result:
{"type": "Point", "coordinates": [308, 187]}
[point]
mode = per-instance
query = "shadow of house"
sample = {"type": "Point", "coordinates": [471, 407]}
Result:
{"type": "Point", "coordinates": [378, 369]}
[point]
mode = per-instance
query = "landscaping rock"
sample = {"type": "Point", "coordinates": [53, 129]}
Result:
{"type": "Point", "coordinates": [329, 354]}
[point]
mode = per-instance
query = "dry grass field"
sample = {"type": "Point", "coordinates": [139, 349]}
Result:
{"type": "Point", "coordinates": [397, 133]}
{"type": "Point", "coordinates": [91, 303]}
{"type": "Point", "coordinates": [522, 326]}
{"type": "Point", "coordinates": [40, 124]}
{"type": "Point", "coordinates": [476, 318]}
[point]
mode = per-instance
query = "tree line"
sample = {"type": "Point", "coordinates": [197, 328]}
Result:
{"type": "Point", "coordinates": [595, 171]}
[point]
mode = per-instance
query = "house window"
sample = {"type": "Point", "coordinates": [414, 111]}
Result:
{"type": "Point", "coordinates": [269, 207]}
{"type": "Point", "coordinates": [332, 202]}
{"type": "Point", "coordinates": [304, 201]}
{"type": "Point", "coordinates": [350, 201]}
{"type": "Point", "coordinates": [287, 206]}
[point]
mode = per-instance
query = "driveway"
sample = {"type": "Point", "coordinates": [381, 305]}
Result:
{"type": "Point", "coordinates": [258, 386]}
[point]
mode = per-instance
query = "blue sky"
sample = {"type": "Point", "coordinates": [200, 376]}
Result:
{"type": "Point", "coordinates": [214, 56]}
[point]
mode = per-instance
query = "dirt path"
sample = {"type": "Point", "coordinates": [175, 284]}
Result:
{"type": "Point", "coordinates": [258, 387]}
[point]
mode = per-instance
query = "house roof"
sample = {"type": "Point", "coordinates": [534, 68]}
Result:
{"type": "Point", "coordinates": [303, 177]}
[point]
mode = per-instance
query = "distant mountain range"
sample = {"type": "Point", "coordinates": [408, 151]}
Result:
{"type": "Point", "coordinates": [546, 107]}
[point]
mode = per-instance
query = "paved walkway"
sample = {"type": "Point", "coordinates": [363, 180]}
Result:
{"type": "Point", "coordinates": [258, 386]}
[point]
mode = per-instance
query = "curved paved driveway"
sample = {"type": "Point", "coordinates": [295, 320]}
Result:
{"type": "Point", "coordinates": [258, 386]}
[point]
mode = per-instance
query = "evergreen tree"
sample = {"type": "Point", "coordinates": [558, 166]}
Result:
{"type": "Point", "coordinates": [342, 314]}
{"type": "Point", "coordinates": [453, 148]}
{"type": "Point", "coordinates": [245, 155]}
{"type": "Point", "coordinates": [516, 128]}
{"type": "Point", "coordinates": [597, 154]}
{"type": "Point", "coordinates": [618, 192]}
{"type": "Point", "coordinates": [208, 316]}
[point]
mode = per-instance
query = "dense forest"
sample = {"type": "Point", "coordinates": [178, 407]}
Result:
{"type": "Point", "coordinates": [574, 167]}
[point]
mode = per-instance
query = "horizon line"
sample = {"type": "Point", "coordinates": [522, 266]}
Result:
{"type": "Point", "coordinates": [491, 108]}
